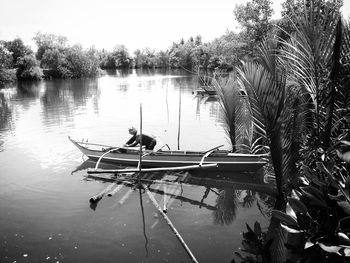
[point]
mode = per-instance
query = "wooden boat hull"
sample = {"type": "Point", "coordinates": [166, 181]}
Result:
{"type": "Point", "coordinates": [225, 161]}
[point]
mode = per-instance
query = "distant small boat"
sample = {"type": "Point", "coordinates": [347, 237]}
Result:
{"type": "Point", "coordinates": [206, 90]}
{"type": "Point", "coordinates": [213, 159]}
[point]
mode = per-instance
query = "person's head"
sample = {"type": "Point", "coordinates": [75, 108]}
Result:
{"type": "Point", "coordinates": [132, 130]}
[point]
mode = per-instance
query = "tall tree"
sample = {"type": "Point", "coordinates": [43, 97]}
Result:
{"type": "Point", "coordinates": [18, 49]}
{"type": "Point", "coordinates": [255, 20]}
{"type": "Point", "coordinates": [49, 41]}
{"type": "Point", "coordinates": [28, 68]}
{"type": "Point", "coordinates": [5, 63]}
{"type": "Point", "coordinates": [121, 56]}
{"type": "Point", "coordinates": [292, 9]}
{"type": "Point", "coordinates": [5, 57]}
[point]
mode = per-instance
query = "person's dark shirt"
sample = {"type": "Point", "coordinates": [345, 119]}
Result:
{"type": "Point", "coordinates": [135, 139]}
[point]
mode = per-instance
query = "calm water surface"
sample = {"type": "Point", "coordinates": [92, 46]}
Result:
{"type": "Point", "coordinates": [45, 214]}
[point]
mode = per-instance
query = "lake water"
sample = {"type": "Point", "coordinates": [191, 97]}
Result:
{"type": "Point", "coordinates": [45, 215]}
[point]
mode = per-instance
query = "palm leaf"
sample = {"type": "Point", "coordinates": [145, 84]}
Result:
{"type": "Point", "coordinates": [228, 101]}
{"type": "Point", "coordinates": [237, 120]}
{"type": "Point", "coordinates": [311, 55]}
{"type": "Point", "coordinates": [264, 83]}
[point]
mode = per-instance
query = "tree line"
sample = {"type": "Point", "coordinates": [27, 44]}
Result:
{"type": "Point", "coordinates": [57, 59]}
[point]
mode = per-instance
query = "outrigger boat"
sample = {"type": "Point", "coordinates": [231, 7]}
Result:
{"type": "Point", "coordinates": [213, 159]}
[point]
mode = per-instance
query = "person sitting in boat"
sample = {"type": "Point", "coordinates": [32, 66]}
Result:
{"type": "Point", "coordinates": [147, 140]}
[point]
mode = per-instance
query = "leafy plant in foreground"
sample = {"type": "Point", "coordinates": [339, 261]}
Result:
{"type": "Point", "coordinates": [254, 245]}
{"type": "Point", "coordinates": [314, 137]}
{"type": "Point", "coordinates": [318, 213]}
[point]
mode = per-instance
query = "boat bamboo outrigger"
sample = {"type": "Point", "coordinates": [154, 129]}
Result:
{"type": "Point", "coordinates": [161, 160]}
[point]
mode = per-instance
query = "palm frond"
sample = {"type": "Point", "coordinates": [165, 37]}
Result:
{"type": "Point", "coordinates": [264, 83]}
{"type": "Point", "coordinates": [330, 98]}
{"type": "Point", "coordinates": [237, 119]}
{"type": "Point", "coordinates": [252, 79]}
{"type": "Point", "coordinates": [310, 58]}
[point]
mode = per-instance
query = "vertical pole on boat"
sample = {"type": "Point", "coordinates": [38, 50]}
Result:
{"type": "Point", "coordinates": [140, 161]}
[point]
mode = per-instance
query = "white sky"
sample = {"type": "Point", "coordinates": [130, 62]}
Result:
{"type": "Point", "coordinates": [134, 23]}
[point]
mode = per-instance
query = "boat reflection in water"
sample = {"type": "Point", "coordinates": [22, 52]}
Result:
{"type": "Point", "coordinates": [188, 197]}
{"type": "Point", "coordinates": [229, 189]}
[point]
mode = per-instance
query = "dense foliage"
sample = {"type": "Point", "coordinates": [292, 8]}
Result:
{"type": "Point", "coordinates": [297, 87]}
{"type": "Point", "coordinates": [15, 55]}
{"type": "Point", "coordinates": [28, 68]}
{"type": "Point", "coordinates": [65, 61]}
{"type": "Point", "coordinates": [118, 58]}
{"type": "Point", "coordinates": [5, 63]}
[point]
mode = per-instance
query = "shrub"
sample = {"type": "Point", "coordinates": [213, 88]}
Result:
{"type": "Point", "coordinates": [28, 68]}
{"type": "Point", "coordinates": [7, 75]}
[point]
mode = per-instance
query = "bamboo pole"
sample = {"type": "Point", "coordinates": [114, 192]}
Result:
{"type": "Point", "coordinates": [127, 181]}
{"type": "Point", "coordinates": [170, 224]}
{"type": "Point", "coordinates": [112, 179]}
{"type": "Point", "coordinates": [156, 169]}
{"type": "Point", "coordinates": [99, 196]}
{"type": "Point", "coordinates": [117, 189]}
{"type": "Point", "coordinates": [164, 198]}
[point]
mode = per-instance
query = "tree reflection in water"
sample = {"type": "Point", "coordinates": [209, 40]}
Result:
{"type": "Point", "coordinates": [228, 199]}
{"type": "Point", "coordinates": [249, 199]}
{"type": "Point", "coordinates": [226, 206]}
{"type": "Point", "coordinates": [5, 113]}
